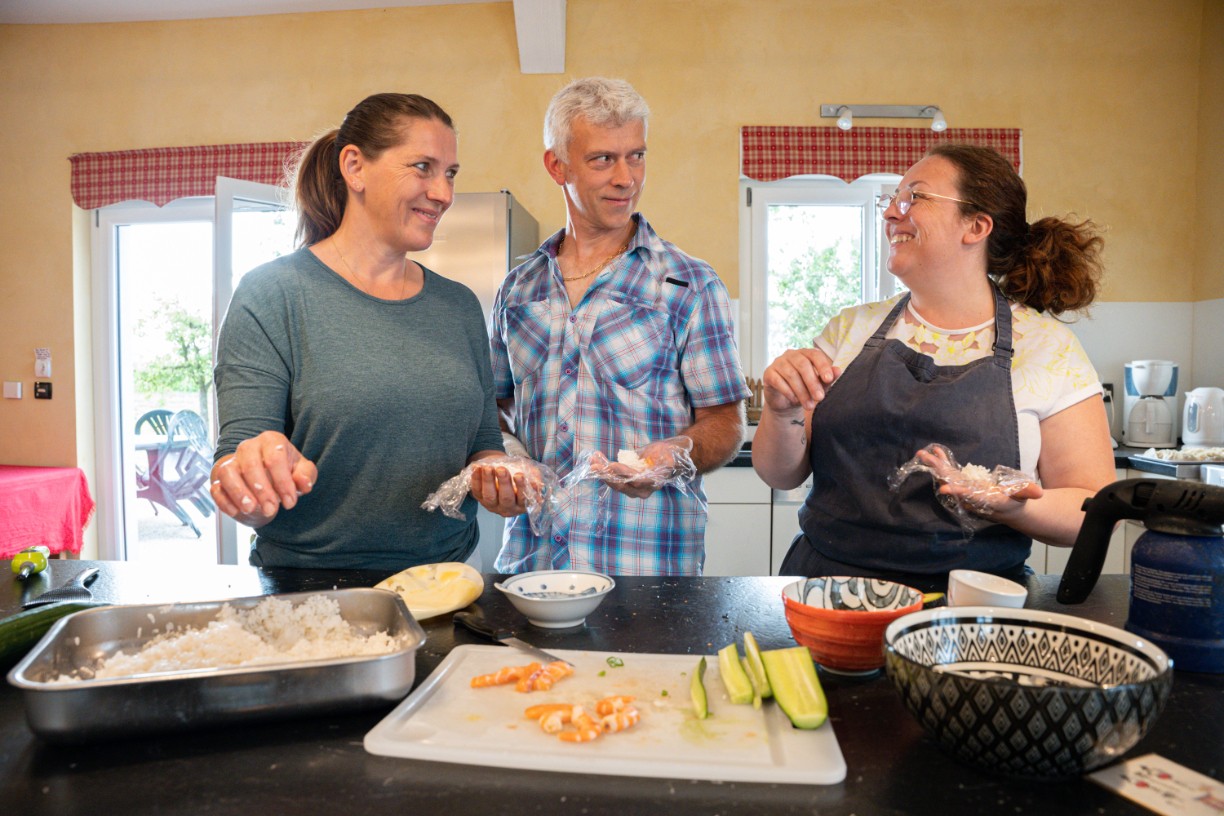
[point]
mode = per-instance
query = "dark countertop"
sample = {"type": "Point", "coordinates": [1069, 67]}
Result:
{"type": "Point", "coordinates": [318, 765]}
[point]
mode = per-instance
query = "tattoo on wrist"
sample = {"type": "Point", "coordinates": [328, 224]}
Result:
{"type": "Point", "coordinates": [799, 422]}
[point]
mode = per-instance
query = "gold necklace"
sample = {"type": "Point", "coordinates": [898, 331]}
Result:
{"type": "Point", "coordinates": [597, 268]}
{"type": "Point", "coordinates": [357, 278]}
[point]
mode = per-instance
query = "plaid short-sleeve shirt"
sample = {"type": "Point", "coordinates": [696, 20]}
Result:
{"type": "Point", "coordinates": [651, 340]}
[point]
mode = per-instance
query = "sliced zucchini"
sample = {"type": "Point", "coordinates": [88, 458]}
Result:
{"type": "Point", "coordinates": [756, 690]}
{"type": "Point", "coordinates": [735, 679]}
{"type": "Point", "coordinates": [796, 687]}
{"type": "Point", "coordinates": [752, 653]}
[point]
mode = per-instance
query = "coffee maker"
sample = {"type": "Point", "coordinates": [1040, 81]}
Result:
{"type": "Point", "coordinates": [1149, 404]}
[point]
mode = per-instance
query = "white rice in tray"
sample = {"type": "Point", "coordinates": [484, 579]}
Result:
{"type": "Point", "coordinates": [273, 631]}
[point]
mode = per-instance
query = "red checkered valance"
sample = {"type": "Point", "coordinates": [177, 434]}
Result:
{"type": "Point", "coordinates": [769, 153]}
{"type": "Point", "coordinates": [162, 174]}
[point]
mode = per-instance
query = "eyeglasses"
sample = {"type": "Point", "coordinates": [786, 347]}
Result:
{"type": "Point", "coordinates": [905, 199]}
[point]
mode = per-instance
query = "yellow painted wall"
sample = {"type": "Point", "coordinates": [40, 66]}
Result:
{"type": "Point", "coordinates": [1209, 221]}
{"type": "Point", "coordinates": [1082, 80]}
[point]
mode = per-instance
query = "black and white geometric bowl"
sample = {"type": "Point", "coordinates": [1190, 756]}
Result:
{"type": "Point", "coordinates": [1026, 693]}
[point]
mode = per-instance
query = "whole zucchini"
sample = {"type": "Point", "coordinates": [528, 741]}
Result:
{"type": "Point", "coordinates": [19, 633]}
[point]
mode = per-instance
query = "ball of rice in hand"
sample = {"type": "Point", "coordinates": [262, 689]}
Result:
{"type": "Point", "coordinates": [631, 459]}
{"type": "Point", "coordinates": [976, 473]}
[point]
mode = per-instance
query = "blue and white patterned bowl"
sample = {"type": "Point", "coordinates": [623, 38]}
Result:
{"type": "Point", "coordinates": [1027, 693]}
{"type": "Point", "coordinates": [556, 599]}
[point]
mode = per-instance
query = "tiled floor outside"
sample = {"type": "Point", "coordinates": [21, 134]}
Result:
{"type": "Point", "coordinates": [163, 538]}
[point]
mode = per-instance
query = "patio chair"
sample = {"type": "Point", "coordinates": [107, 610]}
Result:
{"type": "Point", "coordinates": [179, 469]}
{"type": "Point", "coordinates": [158, 421]}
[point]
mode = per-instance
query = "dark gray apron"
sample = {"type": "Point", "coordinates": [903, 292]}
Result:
{"type": "Point", "coordinates": [890, 402]}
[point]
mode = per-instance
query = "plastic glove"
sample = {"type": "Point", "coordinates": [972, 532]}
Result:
{"type": "Point", "coordinates": [536, 491]}
{"type": "Point", "coordinates": [970, 492]}
{"type": "Point", "coordinates": [638, 473]}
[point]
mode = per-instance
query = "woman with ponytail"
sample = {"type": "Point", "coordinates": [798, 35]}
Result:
{"type": "Point", "coordinates": [352, 381]}
{"type": "Point", "coordinates": [972, 357]}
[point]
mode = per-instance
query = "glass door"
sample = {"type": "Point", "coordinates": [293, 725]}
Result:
{"type": "Point", "coordinates": [253, 226]}
{"type": "Point", "coordinates": [153, 339]}
{"type": "Point", "coordinates": [163, 278]}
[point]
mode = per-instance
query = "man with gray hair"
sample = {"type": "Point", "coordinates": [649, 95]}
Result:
{"type": "Point", "coordinates": [607, 340]}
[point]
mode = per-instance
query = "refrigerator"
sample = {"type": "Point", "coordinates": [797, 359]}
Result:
{"type": "Point", "coordinates": [481, 238]}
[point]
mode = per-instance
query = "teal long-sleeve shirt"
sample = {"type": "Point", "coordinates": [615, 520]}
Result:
{"type": "Point", "coordinates": [388, 398]}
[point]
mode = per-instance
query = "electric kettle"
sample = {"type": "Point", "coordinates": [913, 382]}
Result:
{"type": "Point", "coordinates": [1203, 419]}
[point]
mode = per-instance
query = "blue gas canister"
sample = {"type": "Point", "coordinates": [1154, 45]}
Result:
{"type": "Point", "coordinates": [1177, 597]}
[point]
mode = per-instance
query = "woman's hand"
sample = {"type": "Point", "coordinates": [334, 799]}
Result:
{"type": "Point", "coordinates": [266, 473]}
{"type": "Point", "coordinates": [983, 497]}
{"type": "Point", "coordinates": [798, 379]}
{"type": "Point", "coordinates": [503, 489]}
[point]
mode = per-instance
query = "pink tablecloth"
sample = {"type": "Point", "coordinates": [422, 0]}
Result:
{"type": "Point", "coordinates": [43, 505]}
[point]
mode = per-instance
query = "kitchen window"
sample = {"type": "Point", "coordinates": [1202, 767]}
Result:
{"type": "Point", "coordinates": [809, 247]}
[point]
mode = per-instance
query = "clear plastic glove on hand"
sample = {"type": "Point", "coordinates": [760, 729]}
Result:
{"type": "Point", "coordinates": [540, 489]}
{"type": "Point", "coordinates": [666, 463]}
{"type": "Point", "coordinates": [635, 473]}
{"type": "Point", "coordinates": [971, 491]}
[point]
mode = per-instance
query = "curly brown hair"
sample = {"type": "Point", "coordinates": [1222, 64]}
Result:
{"type": "Point", "coordinates": [1053, 265]}
{"type": "Point", "coordinates": [374, 125]}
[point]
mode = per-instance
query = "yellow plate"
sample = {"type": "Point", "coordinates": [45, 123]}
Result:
{"type": "Point", "coordinates": [435, 589]}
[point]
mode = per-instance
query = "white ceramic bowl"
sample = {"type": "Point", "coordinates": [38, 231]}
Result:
{"type": "Point", "coordinates": [556, 599]}
{"type": "Point", "coordinates": [972, 588]}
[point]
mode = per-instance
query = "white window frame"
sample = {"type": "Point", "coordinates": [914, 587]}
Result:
{"type": "Point", "coordinates": [755, 197]}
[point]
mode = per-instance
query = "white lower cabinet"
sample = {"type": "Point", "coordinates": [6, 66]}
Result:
{"type": "Point", "coordinates": [1049, 560]}
{"type": "Point", "coordinates": [737, 532]}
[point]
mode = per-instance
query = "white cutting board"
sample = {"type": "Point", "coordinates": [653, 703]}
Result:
{"type": "Point", "coordinates": [446, 720]}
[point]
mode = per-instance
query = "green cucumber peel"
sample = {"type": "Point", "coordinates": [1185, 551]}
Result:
{"type": "Point", "coordinates": [701, 706]}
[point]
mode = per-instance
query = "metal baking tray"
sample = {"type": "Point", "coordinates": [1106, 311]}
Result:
{"type": "Point", "coordinates": [84, 710]}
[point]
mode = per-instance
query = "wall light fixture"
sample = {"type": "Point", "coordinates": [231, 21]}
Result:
{"type": "Point", "coordinates": [846, 114]}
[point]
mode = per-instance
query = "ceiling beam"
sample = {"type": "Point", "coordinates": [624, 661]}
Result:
{"type": "Point", "coordinates": [540, 26]}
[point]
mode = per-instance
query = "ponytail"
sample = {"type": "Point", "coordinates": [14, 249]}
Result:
{"type": "Point", "coordinates": [319, 191]}
{"type": "Point", "coordinates": [1058, 269]}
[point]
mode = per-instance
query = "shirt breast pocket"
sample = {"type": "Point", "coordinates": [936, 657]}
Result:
{"type": "Point", "coordinates": [629, 342]}
{"type": "Point", "coordinates": [527, 338]}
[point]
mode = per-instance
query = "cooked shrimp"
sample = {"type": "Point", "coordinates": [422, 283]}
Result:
{"type": "Point", "coordinates": [611, 704]}
{"type": "Point", "coordinates": [552, 673]}
{"type": "Point", "coordinates": [542, 679]}
{"type": "Point", "coordinates": [535, 712]}
{"type": "Point", "coordinates": [553, 723]}
{"type": "Point", "coordinates": [586, 727]}
{"type": "Point", "coordinates": [627, 717]}
{"type": "Point", "coordinates": [504, 675]}
{"type": "Point", "coordinates": [527, 681]}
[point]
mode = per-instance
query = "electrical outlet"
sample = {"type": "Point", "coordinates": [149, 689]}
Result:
{"type": "Point", "coordinates": [1109, 391]}
{"type": "Point", "coordinates": [42, 390]}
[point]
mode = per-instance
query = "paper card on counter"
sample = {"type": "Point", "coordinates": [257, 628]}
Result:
{"type": "Point", "coordinates": [1163, 786]}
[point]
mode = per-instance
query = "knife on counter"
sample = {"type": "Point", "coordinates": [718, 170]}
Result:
{"type": "Point", "coordinates": [475, 621]}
